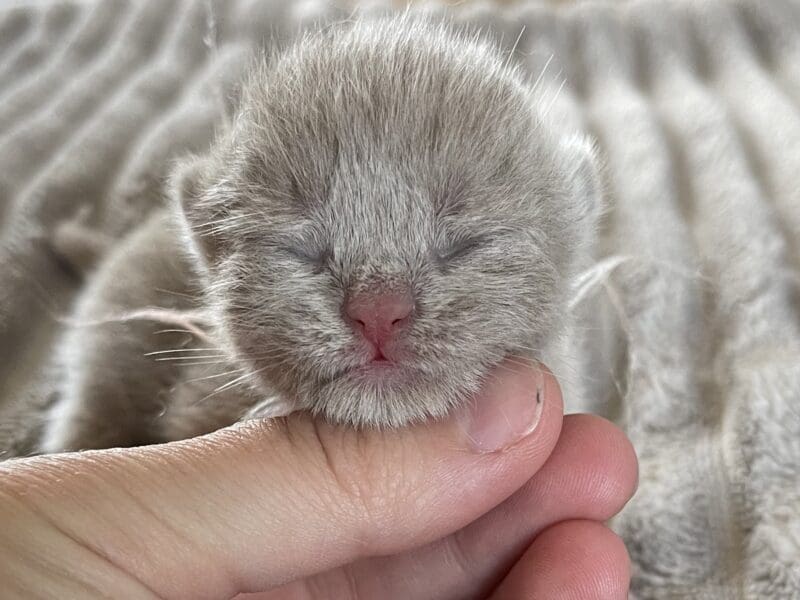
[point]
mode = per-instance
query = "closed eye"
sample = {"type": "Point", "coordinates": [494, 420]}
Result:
{"type": "Point", "coordinates": [306, 254]}
{"type": "Point", "coordinates": [460, 248]}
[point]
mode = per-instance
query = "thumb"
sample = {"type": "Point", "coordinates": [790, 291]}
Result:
{"type": "Point", "coordinates": [265, 502]}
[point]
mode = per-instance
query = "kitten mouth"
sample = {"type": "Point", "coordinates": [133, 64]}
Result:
{"type": "Point", "coordinates": [382, 365]}
{"type": "Point", "coordinates": [379, 357]}
{"type": "Point", "coordinates": [379, 367]}
{"type": "Point", "coordinates": [381, 370]}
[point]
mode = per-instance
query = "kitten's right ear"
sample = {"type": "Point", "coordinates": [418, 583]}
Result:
{"type": "Point", "coordinates": [198, 211]}
{"type": "Point", "coordinates": [580, 154]}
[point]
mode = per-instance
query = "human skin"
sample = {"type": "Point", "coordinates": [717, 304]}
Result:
{"type": "Point", "coordinates": [504, 500]}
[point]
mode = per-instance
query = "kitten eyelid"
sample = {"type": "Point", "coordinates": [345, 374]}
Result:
{"type": "Point", "coordinates": [461, 247]}
{"type": "Point", "coordinates": [304, 253]}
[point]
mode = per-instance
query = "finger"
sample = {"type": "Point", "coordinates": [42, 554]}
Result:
{"type": "Point", "coordinates": [591, 474]}
{"type": "Point", "coordinates": [263, 503]}
{"type": "Point", "coordinates": [574, 560]}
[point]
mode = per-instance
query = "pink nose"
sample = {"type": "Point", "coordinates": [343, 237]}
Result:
{"type": "Point", "coordinates": [379, 315]}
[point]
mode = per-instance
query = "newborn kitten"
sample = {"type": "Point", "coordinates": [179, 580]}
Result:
{"type": "Point", "coordinates": [387, 217]}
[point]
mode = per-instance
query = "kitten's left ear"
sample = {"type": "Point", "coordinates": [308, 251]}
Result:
{"type": "Point", "coordinates": [196, 208]}
{"type": "Point", "coordinates": [583, 165]}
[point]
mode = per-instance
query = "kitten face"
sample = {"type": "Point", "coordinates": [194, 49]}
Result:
{"type": "Point", "coordinates": [389, 156]}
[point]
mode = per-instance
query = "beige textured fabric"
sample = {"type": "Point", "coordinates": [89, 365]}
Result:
{"type": "Point", "coordinates": [691, 334]}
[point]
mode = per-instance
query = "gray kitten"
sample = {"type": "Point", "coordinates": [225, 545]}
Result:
{"type": "Point", "coordinates": [387, 217]}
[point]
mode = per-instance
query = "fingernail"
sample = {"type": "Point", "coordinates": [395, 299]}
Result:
{"type": "Point", "coordinates": [507, 409]}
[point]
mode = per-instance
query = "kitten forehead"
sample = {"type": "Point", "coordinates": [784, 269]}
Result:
{"type": "Point", "coordinates": [431, 104]}
{"type": "Point", "coordinates": [379, 71]}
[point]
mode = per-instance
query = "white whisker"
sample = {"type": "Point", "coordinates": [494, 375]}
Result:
{"type": "Point", "coordinates": [181, 350]}
{"type": "Point", "coordinates": [196, 379]}
{"type": "Point", "coordinates": [194, 357]}
{"type": "Point", "coordinates": [544, 70]}
{"type": "Point", "coordinates": [555, 97]}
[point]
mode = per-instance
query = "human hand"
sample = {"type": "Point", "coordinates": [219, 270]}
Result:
{"type": "Point", "coordinates": [491, 503]}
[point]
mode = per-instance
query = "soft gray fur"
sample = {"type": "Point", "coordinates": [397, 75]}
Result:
{"type": "Point", "coordinates": [372, 154]}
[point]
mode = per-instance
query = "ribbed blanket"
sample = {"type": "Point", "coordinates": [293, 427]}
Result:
{"type": "Point", "coordinates": [689, 332]}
